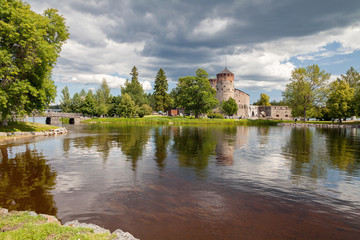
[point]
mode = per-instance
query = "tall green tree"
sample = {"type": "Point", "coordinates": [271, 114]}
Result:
{"type": "Point", "coordinates": [264, 100]}
{"type": "Point", "coordinates": [65, 102]}
{"type": "Point", "coordinates": [134, 88]}
{"type": "Point", "coordinates": [340, 99]}
{"type": "Point", "coordinates": [30, 44]}
{"type": "Point", "coordinates": [103, 98]}
{"type": "Point", "coordinates": [162, 99]}
{"type": "Point", "coordinates": [195, 94]}
{"type": "Point", "coordinates": [229, 107]}
{"type": "Point", "coordinates": [306, 90]}
{"type": "Point", "coordinates": [88, 107]}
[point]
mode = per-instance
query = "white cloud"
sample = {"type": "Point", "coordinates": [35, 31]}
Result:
{"type": "Point", "coordinates": [211, 26]}
{"type": "Point", "coordinates": [146, 85]}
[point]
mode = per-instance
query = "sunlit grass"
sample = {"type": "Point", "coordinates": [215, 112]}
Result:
{"type": "Point", "coordinates": [26, 127]}
{"type": "Point", "coordinates": [24, 226]}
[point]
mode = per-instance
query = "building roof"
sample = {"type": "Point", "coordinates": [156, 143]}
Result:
{"type": "Point", "coordinates": [225, 71]}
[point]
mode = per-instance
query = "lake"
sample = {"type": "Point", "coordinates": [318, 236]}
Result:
{"type": "Point", "coordinates": [191, 182]}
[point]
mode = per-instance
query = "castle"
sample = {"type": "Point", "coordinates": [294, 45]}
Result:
{"type": "Point", "coordinates": [224, 86]}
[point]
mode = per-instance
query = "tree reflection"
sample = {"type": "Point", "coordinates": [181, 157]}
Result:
{"type": "Point", "coordinates": [132, 140]}
{"type": "Point", "coordinates": [341, 148]}
{"type": "Point", "coordinates": [194, 145]}
{"type": "Point", "coordinates": [161, 139]}
{"type": "Point", "coordinates": [26, 181]}
{"type": "Point", "coordinates": [301, 151]}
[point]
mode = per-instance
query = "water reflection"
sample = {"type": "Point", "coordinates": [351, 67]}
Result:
{"type": "Point", "coordinates": [303, 153]}
{"type": "Point", "coordinates": [313, 152]}
{"type": "Point", "coordinates": [343, 148]}
{"type": "Point", "coordinates": [194, 146]}
{"type": "Point", "coordinates": [26, 179]}
{"type": "Point", "coordinates": [161, 140]}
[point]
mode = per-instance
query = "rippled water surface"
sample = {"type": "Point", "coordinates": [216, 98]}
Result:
{"type": "Point", "coordinates": [185, 182]}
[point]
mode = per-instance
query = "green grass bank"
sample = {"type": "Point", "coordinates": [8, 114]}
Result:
{"type": "Point", "coordinates": [26, 127]}
{"type": "Point", "coordinates": [184, 120]}
{"type": "Point", "coordinates": [29, 225]}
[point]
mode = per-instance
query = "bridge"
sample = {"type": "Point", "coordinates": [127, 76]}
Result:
{"type": "Point", "coordinates": [53, 117]}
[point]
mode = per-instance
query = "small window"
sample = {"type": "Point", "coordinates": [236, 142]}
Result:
{"type": "Point", "coordinates": [277, 115]}
{"type": "Point", "coordinates": [286, 115]}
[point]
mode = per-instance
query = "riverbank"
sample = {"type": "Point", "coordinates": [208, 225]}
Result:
{"type": "Point", "coordinates": [184, 120]}
{"type": "Point", "coordinates": [20, 130]}
{"type": "Point", "coordinates": [319, 125]}
{"type": "Point", "coordinates": [30, 225]}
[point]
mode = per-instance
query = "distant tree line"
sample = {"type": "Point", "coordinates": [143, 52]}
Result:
{"type": "Point", "coordinates": [311, 95]}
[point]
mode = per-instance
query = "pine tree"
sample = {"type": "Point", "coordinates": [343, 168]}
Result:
{"type": "Point", "coordinates": [134, 88]}
{"type": "Point", "coordinates": [162, 98]}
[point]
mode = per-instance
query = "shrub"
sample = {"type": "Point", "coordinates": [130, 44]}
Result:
{"type": "Point", "coordinates": [215, 115]}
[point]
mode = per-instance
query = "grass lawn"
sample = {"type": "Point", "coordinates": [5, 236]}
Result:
{"type": "Point", "coordinates": [183, 120]}
{"type": "Point", "coordinates": [26, 127]}
{"type": "Point", "coordinates": [23, 226]}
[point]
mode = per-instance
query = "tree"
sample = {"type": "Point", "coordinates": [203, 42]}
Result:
{"type": "Point", "coordinates": [352, 77]}
{"type": "Point", "coordinates": [229, 107]}
{"type": "Point", "coordinates": [306, 90]}
{"type": "Point", "coordinates": [65, 102]}
{"type": "Point", "coordinates": [88, 108]}
{"type": "Point", "coordinates": [263, 101]}
{"type": "Point", "coordinates": [103, 98]}
{"type": "Point", "coordinates": [277, 103]}
{"type": "Point", "coordinates": [195, 94]}
{"type": "Point", "coordinates": [162, 99]}
{"type": "Point", "coordinates": [134, 88]}
{"type": "Point", "coordinates": [30, 44]}
{"type": "Point", "coordinates": [127, 106]}
{"type": "Point", "coordinates": [340, 99]}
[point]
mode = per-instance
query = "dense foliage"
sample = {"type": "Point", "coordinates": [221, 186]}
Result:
{"type": "Point", "coordinates": [195, 94]}
{"type": "Point", "coordinates": [229, 107]}
{"type": "Point", "coordinates": [309, 94]}
{"type": "Point", "coordinates": [30, 44]}
{"type": "Point", "coordinates": [263, 101]}
{"type": "Point", "coordinates": [307, 89]}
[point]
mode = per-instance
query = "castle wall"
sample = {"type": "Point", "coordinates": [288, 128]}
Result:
{"type": "Point", "coordinates": [281, 112]}
{"type": "Point", "coordinates": [243, 100]}
{"type": "Point", "coordinates": [274, 112]}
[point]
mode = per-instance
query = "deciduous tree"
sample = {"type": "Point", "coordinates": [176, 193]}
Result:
{"type": "Point", "coordinates": [307, 89]}
{"type": "Point", "coordinates": [195, 94]}
{"type": "Point", "coordinates": [264, 100]}
{"type": "Point", "coordinates": [30, 44]}
{"type": "Point", "coordinates": [340, 99]}
{"type": "Point", "coordinates": [229, 107]}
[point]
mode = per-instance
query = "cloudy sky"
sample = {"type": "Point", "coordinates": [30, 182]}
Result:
{"type": "Point", "coordinates": [261, 40]}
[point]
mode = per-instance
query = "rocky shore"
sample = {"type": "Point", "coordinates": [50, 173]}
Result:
{"type": "Point", "coordinates": [48, 219]}
{"type": "Point", "coordinates": [8, 136]}
{"type": "Point", "coordinates": [319, 125]}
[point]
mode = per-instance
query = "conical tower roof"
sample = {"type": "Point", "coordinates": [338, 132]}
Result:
{"type": "Point", "coordinates": [225, 71]}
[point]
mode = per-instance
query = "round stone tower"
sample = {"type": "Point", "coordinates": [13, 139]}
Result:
{"type": "Point", "coordinates": [225, 85]}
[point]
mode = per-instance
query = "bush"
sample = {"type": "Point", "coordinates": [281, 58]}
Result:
{"type": "Point", "coordinates": [141, 113]}
{"type": "Point", "coordinates": [216, 115]}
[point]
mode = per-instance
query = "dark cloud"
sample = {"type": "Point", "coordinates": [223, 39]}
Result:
{"type": "Point", "coordinates": [183, 35]}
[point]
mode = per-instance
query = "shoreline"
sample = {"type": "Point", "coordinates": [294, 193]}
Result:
{"type": "Point", "coordinates": [13, 136]}
{"type": "Point", "coordinates": [94, 230]}
{"type": "Point", "coordinates": [319, 125]}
